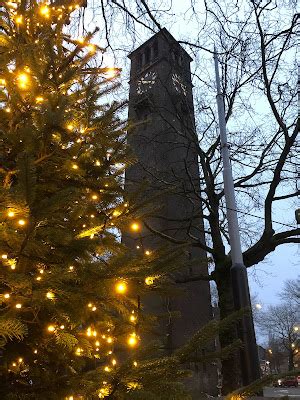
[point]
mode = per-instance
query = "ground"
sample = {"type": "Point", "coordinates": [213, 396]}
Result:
{"type": "Point", "coordinates": [293, 393]}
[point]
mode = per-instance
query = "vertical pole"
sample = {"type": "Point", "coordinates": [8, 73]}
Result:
{"type": "Point", "coordinates": [249, 355]}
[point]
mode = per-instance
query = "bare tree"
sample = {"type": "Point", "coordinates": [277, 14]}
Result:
{"type": "Point", "coordinates": [291, 291]}
{"type": "Point", "coordinates": [279, 322]}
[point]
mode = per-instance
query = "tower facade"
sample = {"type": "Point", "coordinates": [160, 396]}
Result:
{"type": "Point", "coordinates": [165, 144]}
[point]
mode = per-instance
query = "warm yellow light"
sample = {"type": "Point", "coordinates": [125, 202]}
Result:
{"type": "Point", "coordinates": [50, 295]}
{"type": "Point", "coordinates": [97, 343]}
{"type": "Point", "coordinates": [20, 360]}
{"type": "Point", "coordinates": [92, 216]}
{"type": "Point", "coordinates": [4, 256]}
{"type": "Point", "coordinates": [35, 351]}
{"type": "Point", "coordinates": [147, 253]}
{"type": "Point", "coordinates": [121, 287]}
{"type": "Point", "coordinates": [94, 197]}
{"type": "Point", "coordinates": [80, 40]}
{"type": "Point", "coordinates": [90, 305]}
{"type": "Point", "coordinates": [39, 99]}
{"type": "Point", "coordinates": [135, 364]}
{"type": "Point", "coordinates": [6, 295]}
{"type": "Point", "coordinates": [132, 340]}
{"type": "Point", "coordinates": [109, 340]}
{"type": "Point", "coordinates": [89, 332]}
{"type": "Point", "coordinates": [71, 268]}
{"type": "Point", "coordinates": [18, 305]}
{"type": "Point", "coordinates": [91, 48]}
{"type": "Point", "coordinates": [11, 214]}
{"type": "Point", "coordinates": [21, 222]}
{"type": "Point", "coordinates": [110, 73]}
{"type": "Point", "coordinates": [70, 127]}
{"type": "Point", "coordinates": [125, 204]}
{"type": "Point", "coordinates": [2, 81]}
{"type": "Point", "coordinates": [149, 280]}
{"type": "Point", "coordinates": [94, 308]}
{"type": "Point", "coordinates": [97, 163]}
{"type": "Point", "coordinates": [14, 364]}
{"type": "Point", "coordinates": [296, 328]}
{"type": "Point", "coordinates": [19, 19]}
{"type": "Point", "coordinates": [51, 328]}
{"type": "Point", "coordinates": [45, 11]}
{"type": "Point", "coordinates": [107, 369]}
{"type": "Point", "coordinates": [132, 318]}
{"type": "Point", "coordinates": [79, 351]}
{"type": "Point", "coordinates": [8, 109]}
{"type": "Point", "coordinates": [135, 226]}
{"type": "Point", "coordinates": [62, 327]}
{"type": "Point", "coordinates": [116, 213]}
{"type": "Point", "coordinates": [74, 166]}
{"type": "Point", "coordinates": [114, 362]}
{"type": "Point", "coordinates": [23, 80]}
{"type": "Point", "coordinates": [38, 278]}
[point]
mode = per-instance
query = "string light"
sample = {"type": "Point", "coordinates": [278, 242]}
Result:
{"type": "Point", "coordinates": [51, 328]}
{"type": "Point", "coordinates": [135, 227]}
{"type": "Point", "coordinates": [45, 11]}
{"type": "Point", "coordinates": [19, 19]}
{"type": "Point", "coordinates": [132, 340]}
{"type": "Point", "coordinates": [121, 287]}
{"type": "Point", "coordinates": [23, 80]}
{"type": "Point", "coordinates": [147, 253]}
{"type": "Point", "coordinates": [74, 166]}
{"type": "Point", "coordinates": [4, 256]}
{"type": "Point", "coordinates": [135, 364]}
{"type": "Point", "coordinates": [50, 295]}
{"type": "Point", "coordinates": [149, 280]}
{"type": "Point", "coordinates": [21, 222]}
{"type": "Point", "coordinates": [18, 305]}
{"type": "Point", "coordinates": [91, 48]}
{"type": "Point", "coordinates": [10, 214]}
{"type": "Point", "coordinates": [39, 99]}
{"type": "Point", "coordinates": [6, 295]}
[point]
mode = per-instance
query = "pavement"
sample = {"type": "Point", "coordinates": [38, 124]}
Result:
{"type": "Point", "coordinates": [293, 393]}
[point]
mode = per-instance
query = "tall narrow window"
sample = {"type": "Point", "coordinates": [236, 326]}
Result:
{"type": "Point", "coordinates": [147, 55]}
{"type": "Point", "coordinates": [155, 49]}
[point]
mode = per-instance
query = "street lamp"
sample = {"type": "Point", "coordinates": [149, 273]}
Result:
{"type": "Point", "coordinates": [249, 356]}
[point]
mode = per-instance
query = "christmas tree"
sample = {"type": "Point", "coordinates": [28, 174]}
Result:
{"type": "Point", "coordinates": [68, 287]}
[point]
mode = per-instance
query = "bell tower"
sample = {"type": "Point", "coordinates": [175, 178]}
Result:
{"type": "Point", "coordinates": [165, 144]}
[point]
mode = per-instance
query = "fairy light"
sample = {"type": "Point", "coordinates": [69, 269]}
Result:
{"type": "Point", "coordinates": [70, 127]}
{"type": "Point", "coordinates": [50, 295]}
{"type": "Point", "coordinates": [94, 308]}
{"type": "Point", "coordinates": [97, 163]}
{"type": "Point", "coordinates": [114, 361]}
{"type": "Point", "coordinates": [132, 318]}
{"type": "Point", "coordinates": [109, 339]}
{"type": "Point", "coordinates": [4, 256]}
{"type": "Point", "coordinates": [38, 278]}
{"type": "Point", "coordinates": [89, 332]}
{"type": "Point", "coordinates": [18, 305]}
{"type": "Point", "coordinates": [20, 360]}
{"type": "Point", "coordinates": [21, 222]}
{"type": "Point", "coordinates": [121, 287]}
{"type": "Point", "coordinates": [132, 340]}
{"type": "Point", "coordinates": [107, 369]}
{"type": "Point", "coordinates": [8, 109]}
{"type": "Point", "coordinates": [91, 48]}
{"type": "Point", "coordinates": [62, 327]}
{"type": "Point", "coordinates": [51, 328]}
{"type": "Point", "coordinates": [94, 197]}
{"type": "Point", "coordinates": [23, 80]}
{"type": "Point", "coordinates": [135, 364]}
{"type": "Point", "coordinates": [6, 295]}
{"type": "Point", "coordinates": [35, 351]}
{"type": "Point", "coordinates": [45, 11]}
{"type": "Point", "coordinates": [149, 280]}
{"type": "Point", "coordinates": [71, 268]}
{"type": "Point", "coordinates": [147, 252]}
{"type": "Point", "coordinates": [135, 227]}
{"type": "Point", "coordinates": [39, 99]}
{"type": "Point", "coordinates": [19, 19]}
{"type": "Point", "coordinates": [10, 214]}
{"type": "Point", "coordinates": [74, 166]}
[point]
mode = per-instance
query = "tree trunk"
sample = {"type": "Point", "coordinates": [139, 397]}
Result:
{"type": "Point", "coordinates": [231, 370]}
{"type": "Point", "coordinates": [291, 360]}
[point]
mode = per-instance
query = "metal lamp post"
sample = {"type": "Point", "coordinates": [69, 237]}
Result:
{"type": "Point", "coordinates": [249, 355]}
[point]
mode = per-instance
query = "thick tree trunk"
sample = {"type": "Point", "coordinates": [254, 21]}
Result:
{"type": "Point", "coordinates": [231, 370]}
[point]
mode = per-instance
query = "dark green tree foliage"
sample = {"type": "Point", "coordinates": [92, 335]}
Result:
{"type": "Point", "coordinates": [63, 316]}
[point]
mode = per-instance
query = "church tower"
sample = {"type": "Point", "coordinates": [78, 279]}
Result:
{"type": "Point", "coordinates": [165, 144]}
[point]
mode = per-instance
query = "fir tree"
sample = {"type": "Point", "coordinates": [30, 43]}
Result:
{"type": "Point", "coordinates": [68, 286]}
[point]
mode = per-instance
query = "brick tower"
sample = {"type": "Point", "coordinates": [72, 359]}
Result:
{"type": "Point", "coordinates": [164, 142]}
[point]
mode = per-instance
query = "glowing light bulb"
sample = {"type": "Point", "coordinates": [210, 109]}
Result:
{"type": "Point", "coordinates": [62, 327]}
{"type": "Point", "coordinates": [132, 318]}
{"type": "Point", "coordinates": [135, 364]}
{"type": "Point", "coordinates": [8, 109]}
{"type": "Point", "coordinates": [113, 361]}
{"type": "Point", "coordinates": [149, 280]}
{"type": "Point", "coordinates": [107, 369]}
{"type": "Point", "coordinates": [14, 364]}
{"type": "Point", "coordinates": [21, 222]}
{"type": "Point", "coordinates": [20, 360]}
{"type": "Point", "coordinates": [80, 40]}
{"type": "Point", "coordinates": [116, 213]}
{"type": "Point", "coordinates": [71, 268]}
{"type": "Point", "coordinates": [132, 340]}
{"type": "Point", "coordinates": [70, 127]}
{"type": "Point", "coordinates": [135, 226]}
{"type": "Point", "coordinates": [111, 73]}
{"type": "Point", "coordinates": [39, 99]}
{"type": "Point", "coordinates": [35, 351]}
{"type": "Point", "coordinates": [91, 48]}
{"type": "Point", "coordinates": [45, 11]}
{"type": "Point", "coordinates": [89, 332]}
{"type": "Point", "coordinates": [94, 308]}
{"type": "Point", "coordinates": [109, 340]}
{"type": "Point", "coordinates": [10, 214]}
{"type": "Point", "coordinates": [94, 197]}
{"type": "Point", "coordinates": [23, 80]}
{"type": "Point", "coordinates": [147, 253]}
{"type": "Point", "coordinates": [97, 163]}
{"type": "Point", "coordinates": [92, 216]}
{"type": "Point", "coordinates": [121, 287]}
{"type": "Point", "coordinates": [51, 328]}
{"type": "Point", "coordinates": [19, 19]}
{"type": "Point", "coordinates": [50, 295]}
{"type": "Point", "coordinates": [19, 305]}
{"type": "Point", "coordinates": [4, 256]}
{"type": "Point", "coordinates": [74, 166]}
